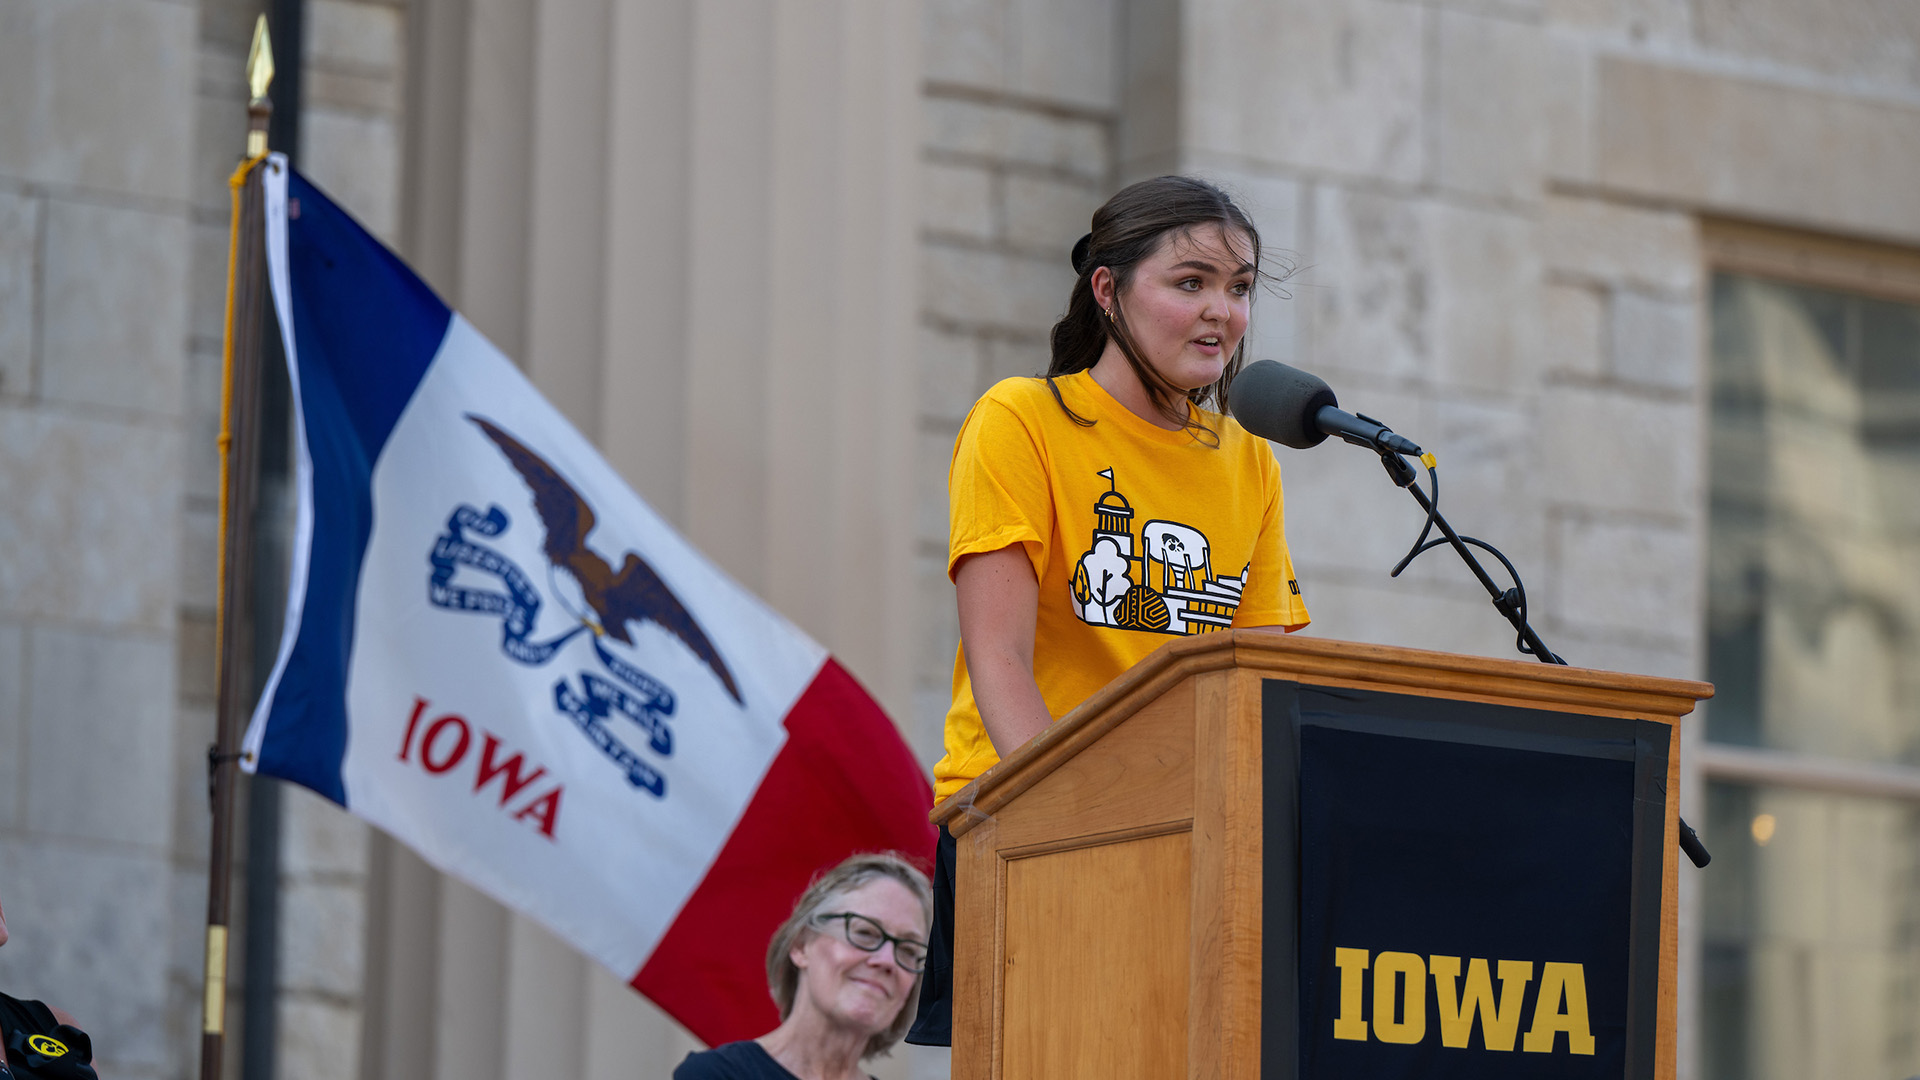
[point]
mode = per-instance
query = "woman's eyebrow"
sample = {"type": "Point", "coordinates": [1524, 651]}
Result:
{"type": "Point", "coordinates": [1207, 267]}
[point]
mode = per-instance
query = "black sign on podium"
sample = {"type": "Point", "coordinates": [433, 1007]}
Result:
{"type": "Point", "coordinates": [1457, 890]}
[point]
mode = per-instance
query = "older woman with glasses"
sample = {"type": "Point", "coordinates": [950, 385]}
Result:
{"type": "Point", "coordinates": [844, 970]}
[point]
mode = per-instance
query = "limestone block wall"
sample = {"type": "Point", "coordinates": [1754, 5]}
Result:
{"type": "Point", "coordinates": [353, 108]}
{"type": "Point", "coordinates": [218, 120]}
{"type": "Point", "coordinates": [322, 933]}
{"type": "Point", "coordinates": [1021, 103]}
{"type": "Point", "coordinates": [96, 235]}
{"type": "Point", "coordinates": [1400, 152]}
{"type": "Point", "coordinates": [1496, 207]}
{"type": "Point", "coordinates": [1494, 211]}
{"type": "Point", "coordinates": [1491, 212]}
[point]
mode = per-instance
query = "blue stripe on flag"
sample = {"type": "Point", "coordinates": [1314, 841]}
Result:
{"type": "Point", "coordinates": [365, 329]}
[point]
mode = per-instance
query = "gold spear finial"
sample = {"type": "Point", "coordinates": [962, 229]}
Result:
{"type": "Point", "coordinates": [260, 59]}
{"type": "Point", "coordinates": [259, 77]}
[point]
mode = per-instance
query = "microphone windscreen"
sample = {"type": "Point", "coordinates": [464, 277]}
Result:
{"type": "Point", "coordinates": [1278, 402]}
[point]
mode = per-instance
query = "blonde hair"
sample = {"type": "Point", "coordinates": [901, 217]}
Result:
{"type": "Point", "coordinates": [783, 977]}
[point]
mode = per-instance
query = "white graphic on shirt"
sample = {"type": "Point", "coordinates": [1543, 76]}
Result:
{"type": "Point", "coordinates": [1164, 584]}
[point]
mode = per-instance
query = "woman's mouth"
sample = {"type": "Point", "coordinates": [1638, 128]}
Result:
{"type": "Point", "coordinates": [1208, 343]}
{"type": "Point", "coordinates": [880, 990]}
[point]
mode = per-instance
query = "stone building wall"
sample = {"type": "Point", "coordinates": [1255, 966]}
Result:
{"type": "Point", "coordinates": [1020, 110]}
{"type": "Point", "coordinates": [1430, 267]}
{"type": "Point", "coordinates": [124, 119]}
{"type": "Point", "coordinates": [97, 555]}
{"type": "Point", "coordinates": [219, 121]}
{"type": "Point", "coordinates": [1493, 210]}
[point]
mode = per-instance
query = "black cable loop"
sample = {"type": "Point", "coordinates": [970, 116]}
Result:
{"type": "Point", "coordinates": [1433, 511]}
{"type": "Point", "coordinates": [1518, 594]}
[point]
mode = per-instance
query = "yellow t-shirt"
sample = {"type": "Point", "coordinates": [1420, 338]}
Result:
{"type": "Point", "coordinates": [1136, 534]}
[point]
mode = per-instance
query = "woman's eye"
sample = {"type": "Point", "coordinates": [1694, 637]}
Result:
{"type": "Point", "coordinates": [1190, 284]}
{"type": "Point", "coordinates": [1241, 288]}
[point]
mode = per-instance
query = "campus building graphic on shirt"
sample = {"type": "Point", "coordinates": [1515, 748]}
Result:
{"type": "Point", "coordinates": [1159, 579]}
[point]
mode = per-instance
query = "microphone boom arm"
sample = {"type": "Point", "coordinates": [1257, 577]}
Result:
{"type": "Point", "coordinates": [1511, 603]}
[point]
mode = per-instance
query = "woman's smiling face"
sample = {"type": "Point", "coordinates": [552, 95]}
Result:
{"type": "Point", "coordinates": [852, 988]}
{"type": "Point", "coordinates": [1188, 302]}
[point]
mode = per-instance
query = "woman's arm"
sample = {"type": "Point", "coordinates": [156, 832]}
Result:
{"type": "Point", "coordinates": [999, 604]}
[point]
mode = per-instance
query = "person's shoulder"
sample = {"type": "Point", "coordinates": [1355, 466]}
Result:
{"type": "Point", "coordinates": [17, 1011]}
{"type": "Point", "coordinates": [1017, 408]}
{"type": "Point", "coordinates": [1020, 394]}
{"type": "Point", "coordinates": [37, 1012]}
{"type": "Point", "coordinates": [745, 1060]}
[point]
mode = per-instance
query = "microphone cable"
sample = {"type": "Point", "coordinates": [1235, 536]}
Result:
{"type": "Point", "coordinates": [1513, 601]}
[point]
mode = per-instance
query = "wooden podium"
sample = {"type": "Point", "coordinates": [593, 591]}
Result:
{"type": "Point", "coordinates": [1119, 912]}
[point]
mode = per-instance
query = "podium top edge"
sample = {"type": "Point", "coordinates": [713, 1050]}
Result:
{"type": "Point", "coordinates": [1276, 654]}
{"type": "Point", "coordinates": [1250, 643]}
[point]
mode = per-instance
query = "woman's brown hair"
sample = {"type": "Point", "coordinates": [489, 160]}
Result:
{"type": "Point", "coordinates": [1126, 229]}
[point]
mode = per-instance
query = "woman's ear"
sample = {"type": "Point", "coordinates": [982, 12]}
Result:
{"type": "Point", "coordinates": [1102, 283]}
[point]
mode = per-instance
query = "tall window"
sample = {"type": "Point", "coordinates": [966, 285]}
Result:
{"type": "Point", "coordinates": [1810, 913]}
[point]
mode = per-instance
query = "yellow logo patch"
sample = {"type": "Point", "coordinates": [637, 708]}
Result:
{"type": "Point", "coordinates": [46, 1046]}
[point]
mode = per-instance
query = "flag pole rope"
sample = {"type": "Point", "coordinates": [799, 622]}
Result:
{"type": "Point", "coordinates": [239, 394]}
{"type": "Point", "coordinates": [236, 185]}
{"type": "Point", "coordinates": [220, 756]}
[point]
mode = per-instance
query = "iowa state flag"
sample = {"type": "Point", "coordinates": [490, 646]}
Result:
{"type": "Point", "coordinates": [495, 651]}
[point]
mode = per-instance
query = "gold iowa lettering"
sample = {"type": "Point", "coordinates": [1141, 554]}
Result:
{"type": "Point", "coordinates": [1399, 1013]}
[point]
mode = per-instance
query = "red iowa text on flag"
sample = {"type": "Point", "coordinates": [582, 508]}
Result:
{"type": "Point", "coordinates": [444, 744]}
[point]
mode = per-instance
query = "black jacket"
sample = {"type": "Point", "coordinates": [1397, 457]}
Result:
{"type": "Point", "coordinates": [40, 1047]}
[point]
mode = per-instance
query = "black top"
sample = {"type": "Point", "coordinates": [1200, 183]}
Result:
{"type": "Point", "coordinates": [733, 1061]}
{"type": "Point", "coordinates": [40, 1047]}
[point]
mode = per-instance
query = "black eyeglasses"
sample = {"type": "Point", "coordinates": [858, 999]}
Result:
{"type": "Point", "coordinates": [866, 935]}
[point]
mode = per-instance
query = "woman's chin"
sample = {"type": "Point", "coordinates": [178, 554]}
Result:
{"type": "Point", "coordinates": [867, 1009]}
{"type": "Point", "coordinates": [1196, 373]}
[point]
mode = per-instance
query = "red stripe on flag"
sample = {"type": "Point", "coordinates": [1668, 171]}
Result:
{"type": "Point", "coordinates": [844, 782]}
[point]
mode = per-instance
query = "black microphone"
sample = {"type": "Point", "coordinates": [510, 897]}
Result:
{"type": "Point", "coordinates": [1298, 409]}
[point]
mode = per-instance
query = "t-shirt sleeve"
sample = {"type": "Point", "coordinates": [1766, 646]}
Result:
{"type": "Point", "coordinates": [997, 489]}
{"type": "Point", "coordinates": [1272, 596]}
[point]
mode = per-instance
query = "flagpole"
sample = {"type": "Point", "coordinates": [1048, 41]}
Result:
{"type": "Point", "coordinates": [239, 479]}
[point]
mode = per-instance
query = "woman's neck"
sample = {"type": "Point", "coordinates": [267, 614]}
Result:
{"type": "Point", "coordinates": [811, 1049]}
{"type": "Point", "coordinates": [1117, 377]}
